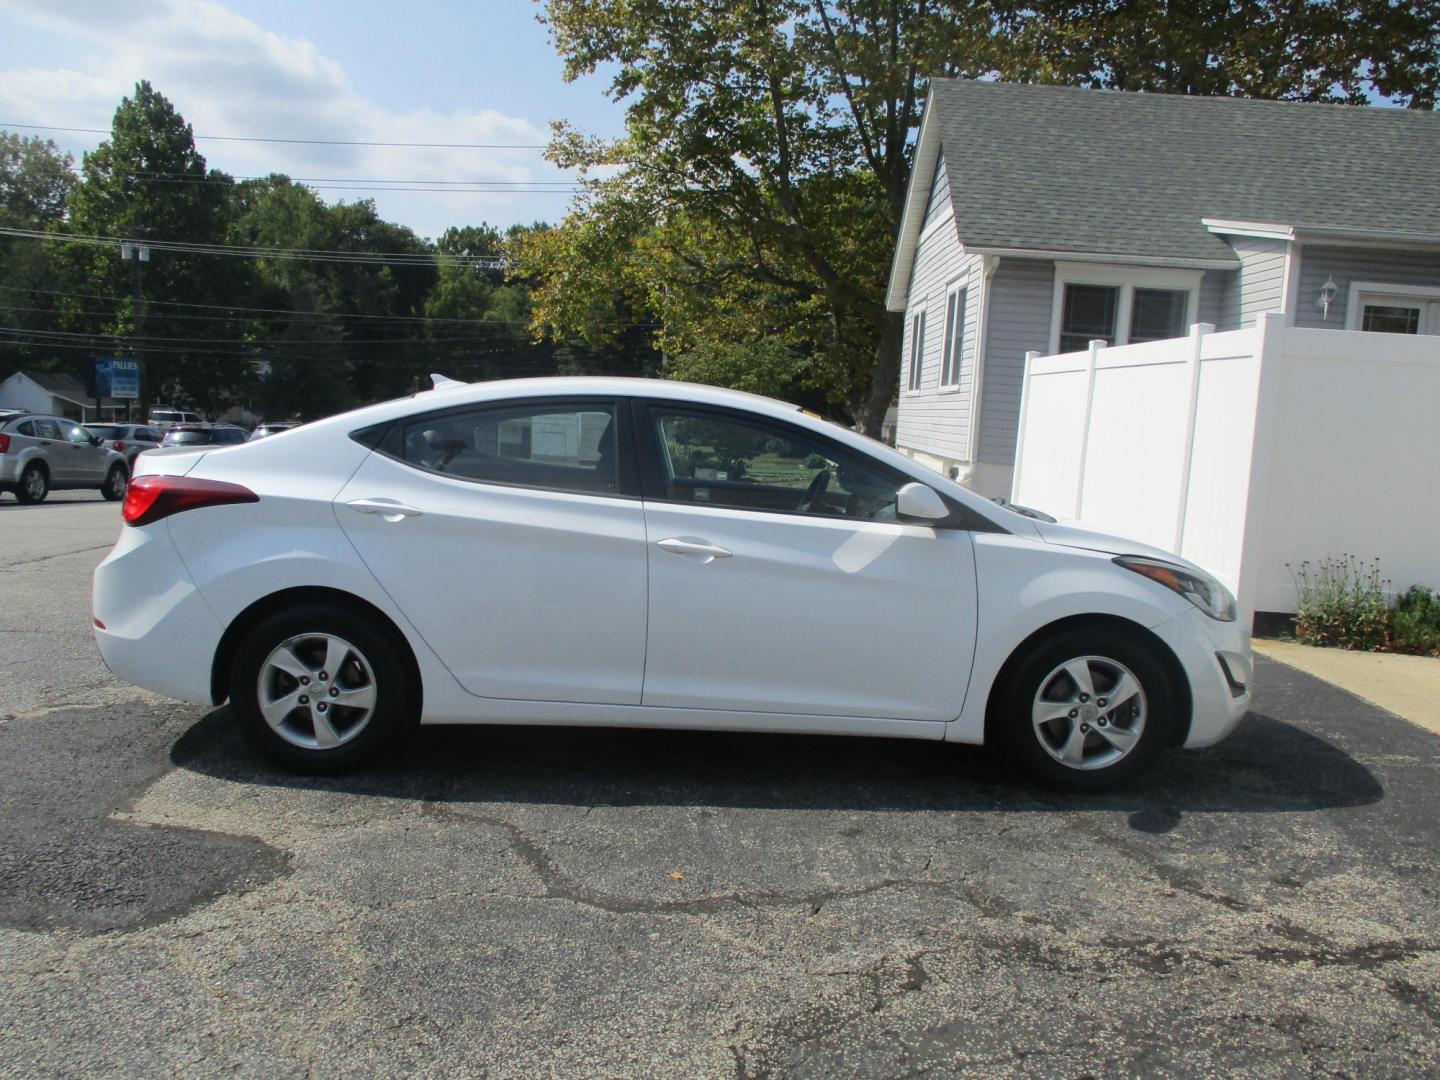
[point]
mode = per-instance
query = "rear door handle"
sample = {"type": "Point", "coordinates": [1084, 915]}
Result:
{"type": "Point", "coordinates": [678, 546]}
{"type": "Point", "coordinates": [389, 509]}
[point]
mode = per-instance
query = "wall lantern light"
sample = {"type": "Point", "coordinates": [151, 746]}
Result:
{"type": "Point", "coordinates": [1328, 292]}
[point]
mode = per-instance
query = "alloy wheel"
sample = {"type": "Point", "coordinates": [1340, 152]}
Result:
{"type": "Point", "coordinates": [316, 691]}
{"type": "Point", "coordinates": [1089, 712]}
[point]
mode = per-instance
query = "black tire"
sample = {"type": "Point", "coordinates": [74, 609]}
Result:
{"type": "Point", "coordinates": [379, 656]}
{"type": "Point", "coordinates": [115, 482]}
{"type": "Point", "coordinates": [1102, 649]}
{"type": "Point", "coordinates": [34, 484]}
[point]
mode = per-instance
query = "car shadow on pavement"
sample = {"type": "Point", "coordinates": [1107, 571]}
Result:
{"type": "Point", "coordinates": [1267, 766]}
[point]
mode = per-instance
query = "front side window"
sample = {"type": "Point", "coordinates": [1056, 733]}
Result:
{"type": "Point", "coordinates": [917, 348]}
{"type": "Point", "coordinates": [1089, 312]}
{"type": "Point", "coordinates": [718, 459]}
{"type": "Point", "coordinates": [76, 434]}
{"type": "Point", "coordinates": [562, 447]}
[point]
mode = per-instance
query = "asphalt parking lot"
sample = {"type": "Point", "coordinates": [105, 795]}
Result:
{"type": "Point", "coordinates": [531, 902]}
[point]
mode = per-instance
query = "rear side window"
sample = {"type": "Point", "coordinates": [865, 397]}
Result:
{"type": "Point", "coordinates": [560, 447]}
{"type": "Point", "coordinates": [45, 429]}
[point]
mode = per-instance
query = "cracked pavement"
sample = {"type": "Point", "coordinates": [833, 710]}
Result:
{"type": "Point", "coordinates": [548, 902]}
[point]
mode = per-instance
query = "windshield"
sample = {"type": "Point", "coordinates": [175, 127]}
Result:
{"type": "Point", "coordinates": [188, 438]}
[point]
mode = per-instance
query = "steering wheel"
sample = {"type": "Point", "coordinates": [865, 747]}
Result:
{"type": "Point", "coordinates": [814, 491]}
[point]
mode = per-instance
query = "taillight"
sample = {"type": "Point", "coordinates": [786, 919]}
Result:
{"type": "Point", "coordinates": [150, 498]}
{"type": "Point", "coordinates": [118, 444]}
{"type": "Point", "coordinates": [4, 444]}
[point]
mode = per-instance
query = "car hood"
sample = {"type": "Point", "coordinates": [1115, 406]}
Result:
{"type": "Point", "coordinates": [1071, 536]}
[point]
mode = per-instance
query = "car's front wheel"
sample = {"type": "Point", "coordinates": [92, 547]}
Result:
{"type": "Point", "coordinates": [320, 689]}
{"type": "Point", "coordinates": [115, 480]}
{"type": "Point", "coordinates": [1089, 708]}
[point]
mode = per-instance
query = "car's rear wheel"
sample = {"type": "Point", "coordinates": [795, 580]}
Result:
{"type": "Point", "coordinates": [34, 484]}
{"type": "Point", "coordinates": [1089, 708]}
{"type": "Point", "coordinates": [115, 481]}
{"type": "Point", "coordinates": [320, 689]}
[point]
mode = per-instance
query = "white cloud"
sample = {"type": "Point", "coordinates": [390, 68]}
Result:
{"type": "Point", "coordinates": [228, 76]}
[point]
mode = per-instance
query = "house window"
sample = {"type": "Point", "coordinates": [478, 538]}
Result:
{"type": "Point", "coordinates": [1390, 319]}
{"type": "Point", "coordinates": [1157, 314]}
{"type": "Point", "coordinates": [954, 337]}
{"type": "Point", "coordinates": [917, 349]}
{"type": "Point", "coordinates": [1120, 305]}
{"type": "Point", "coordinates": [1394, 309]}
{"type": "Point", "coordinates": [1089, 313]}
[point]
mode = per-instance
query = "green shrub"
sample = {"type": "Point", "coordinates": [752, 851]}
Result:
{"type": "Point", "coordinates": [1415, 621]}
{"type": "Point", "coordinates": [815, 461]}
{"type": "Point", "coordinates": [1342, 604]}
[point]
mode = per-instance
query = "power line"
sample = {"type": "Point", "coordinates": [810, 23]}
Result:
{"type": "Point", "coordinates": [308, 142]}
{"type": "Point", "coordinates": [331, 179]}
{"type": "Point", "coordinates": [151, 303]}
{"type": "Point", "coordinates": [371, 258]}
{"type": "Point", "coordinates": [100, 335]}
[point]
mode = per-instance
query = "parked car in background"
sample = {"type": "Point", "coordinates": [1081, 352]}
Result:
{"type": "Point", "coordinates": [649, 553]}
{"type": "Point", "coordinates": [273, 427]}
{"type": "Point", "coordinates": [205, 435]}
{"type": "Point", "coordinates": [40, 454]}
{"type": "Point", "coordinates": [168, 418]}
{"type": "Point", "coordinates": [131, 440]}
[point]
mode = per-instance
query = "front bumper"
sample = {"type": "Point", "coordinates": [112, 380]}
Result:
{"type": "Point", "coordinates": [1217, 661]}
{"type": "Point", "coordinates": [158, 632]}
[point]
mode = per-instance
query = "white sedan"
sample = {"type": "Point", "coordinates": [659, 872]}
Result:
{"type": "Point", "coordinates": [652, 554]}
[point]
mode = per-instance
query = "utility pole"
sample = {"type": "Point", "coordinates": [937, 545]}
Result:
{"type": "Point", "coordinates": [135, 253]}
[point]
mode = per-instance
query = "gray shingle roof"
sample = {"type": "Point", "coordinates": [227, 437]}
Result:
{"type": "Point", "coordinates": [66, 386]}
{"type": "Point", "coordinates": [1060, 168]}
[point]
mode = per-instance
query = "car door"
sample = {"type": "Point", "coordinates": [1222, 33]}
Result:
{"type": "Point", "coordinates": [513, 538]}
{"type": "Point", "coordinates": [781, 581]}
{"type": "Point", "coordinates": [85, 462]}
{"type": "Point", "coordinates": [54, 450]}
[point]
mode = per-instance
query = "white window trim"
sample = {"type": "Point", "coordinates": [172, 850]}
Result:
{"type": "Point", "coordinates": [1424, 294]}
{"type": "Point", "coordinates": [918, 308]}
{"type": "Point", "coordinates": [1128, 279]}
{"type": "Point", "coordinates": [958, 286]}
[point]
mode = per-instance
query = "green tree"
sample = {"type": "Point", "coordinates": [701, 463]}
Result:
{"type": "Point", "coordinates": [36, 179]}
{"type": "Point", "coordinates": [147, 182]}
{"type": "Point", "coordinates": [1304, 50]}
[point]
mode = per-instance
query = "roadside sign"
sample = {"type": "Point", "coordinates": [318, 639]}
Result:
{"type": "Point", "coordinates": [117, 378]}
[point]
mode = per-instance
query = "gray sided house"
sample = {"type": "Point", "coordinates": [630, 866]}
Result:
{"type": "Point", "coordinates": [1041, 218]}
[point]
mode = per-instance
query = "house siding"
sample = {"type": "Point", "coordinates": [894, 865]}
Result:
{"type": "Point", "coordinates": [939, 193]}
{"type": "Point", "coordinates": [1347, 265]}
{"type": "Point", "coordinates": [1213, 285]}
{"type": "Point", "coordinates": [933, 420]}
{"type": "Point", "coordinates": [1021, 294]}
{"type": "Point", "coordinates": [1258, 286]}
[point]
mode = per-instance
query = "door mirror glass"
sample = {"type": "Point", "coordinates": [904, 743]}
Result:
{"type": "Point", "coordinates": [916, 502]}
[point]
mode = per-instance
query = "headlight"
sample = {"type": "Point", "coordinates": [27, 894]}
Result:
{"type": "Point", "coordinates": [1202, 590]}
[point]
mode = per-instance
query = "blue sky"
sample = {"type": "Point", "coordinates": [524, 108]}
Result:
{"type": "Point", "coordinates": [427, 71]}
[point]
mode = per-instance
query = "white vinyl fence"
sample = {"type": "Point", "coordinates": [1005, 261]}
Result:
{"type": "Point", "coordinates": [1245, 451]}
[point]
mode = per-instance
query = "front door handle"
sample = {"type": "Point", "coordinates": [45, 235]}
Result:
{"type": "Point", "coordinates": [389, 509]}
{"type": "Point", "coordinates": [679, 546]}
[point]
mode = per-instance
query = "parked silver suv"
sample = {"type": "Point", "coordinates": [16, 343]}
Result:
{"type": "Point", "coordinates": [40, 454]}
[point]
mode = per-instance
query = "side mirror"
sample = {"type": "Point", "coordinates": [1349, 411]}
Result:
{"type": "Point", "coordinates": [917, 502]}
{"type": "Point", "coordinates": [95, 440]}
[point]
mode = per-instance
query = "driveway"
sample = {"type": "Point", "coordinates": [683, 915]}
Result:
{"type": "Point", "coordinates": [527, 902]}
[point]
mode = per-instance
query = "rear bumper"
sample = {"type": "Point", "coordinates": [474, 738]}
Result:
{"type": "Point", "coordinates": [1217, 661]}
{"type": "Point", "coordinates": [158, 631]}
